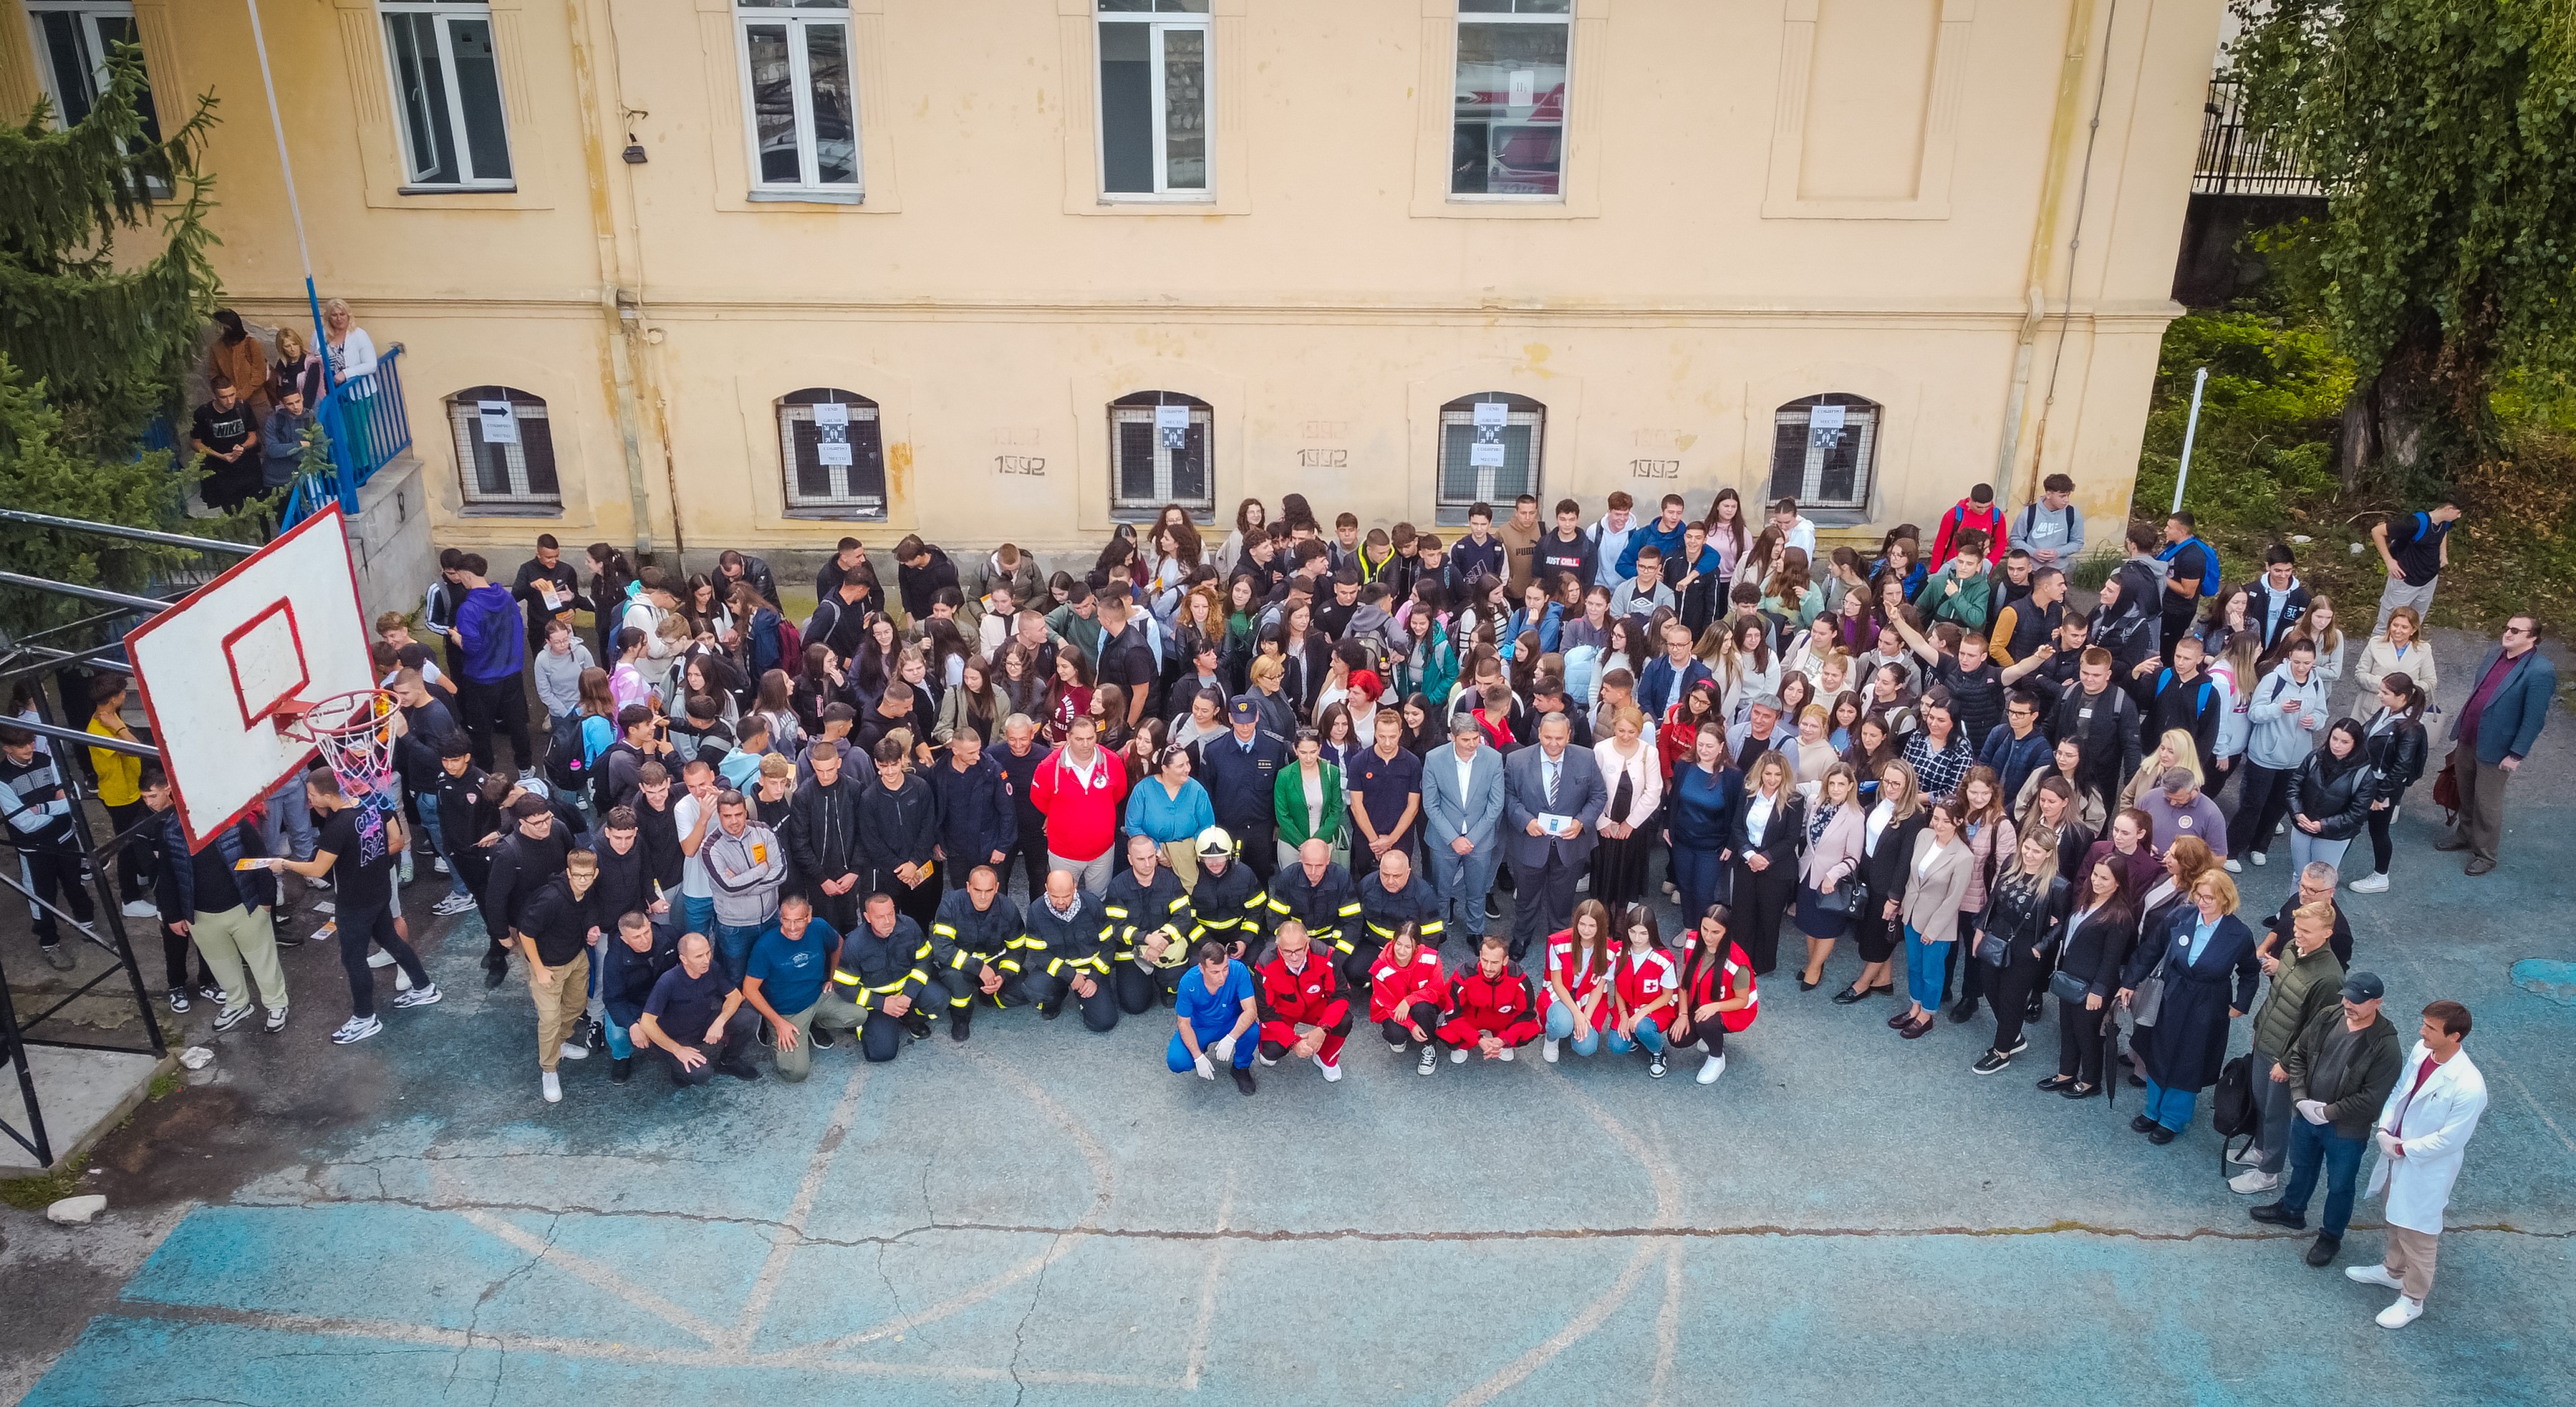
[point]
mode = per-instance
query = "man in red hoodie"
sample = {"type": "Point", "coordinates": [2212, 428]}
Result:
{"type": "Point", "coordinates": [1493, 1008]}
{"type": "Point", "coordinates": [1977, 511]}
{"type": "Point", "coordinates": [1080, 789]}
{"type": "Point", "coordinates": [1300, 990]}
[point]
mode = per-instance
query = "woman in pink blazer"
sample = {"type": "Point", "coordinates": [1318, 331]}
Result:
{"type": "Point", "coordinates": [1835, 826]}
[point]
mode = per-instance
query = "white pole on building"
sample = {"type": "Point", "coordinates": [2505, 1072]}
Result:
{"type": "Point", "coordinates": [2189, 429]}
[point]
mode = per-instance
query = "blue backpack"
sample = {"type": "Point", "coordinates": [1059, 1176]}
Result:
{"type": "Point", "coordinates": [2209, 573]}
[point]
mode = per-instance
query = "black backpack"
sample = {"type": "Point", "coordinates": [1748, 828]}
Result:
{"type": "Point", "coordinates": [564, 765]}
{"type": "Point", "coordinates": [2232, 1109]}
{"type": "Point", "coordinates": [600, 797]}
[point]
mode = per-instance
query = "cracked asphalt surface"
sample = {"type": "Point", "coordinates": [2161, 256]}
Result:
{"type": "Point", "coordinates": [1046, 1216]}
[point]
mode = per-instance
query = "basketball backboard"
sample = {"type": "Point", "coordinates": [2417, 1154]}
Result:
{"type": "Point", "coordinates": [281, 626]}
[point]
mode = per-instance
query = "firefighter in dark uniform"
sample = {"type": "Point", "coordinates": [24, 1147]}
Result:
{"type": "Point", "coordinates": [1066, 946]}
{"type": "Point", "coordinates": [1317, 893]}
{"type": "Point", "coordinates": [1389, 899]}
{"type": "Point", "coordinates": [975, 949]}
{"type": "Point", "coordinates": [1228, 902]}
{"type": "Point", "coordinates": [879, 981]}
{"type": "Point", "coordinates": [1152, 914]}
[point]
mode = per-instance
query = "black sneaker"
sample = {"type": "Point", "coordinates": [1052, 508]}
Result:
{"type": "Point", "coordinates": [179, 999]}
{"type": "Point", "coordinates": [1991, 1062]}
{"type": "Point", "coordinates": [2033, 1009]}
{"type": "Point", "coordinates": [2321, 1252]}
{"type": "Point", "coordinates": [2020, 1044]}
{"type": "Point", "coordinates": [1963, 1013]}
{"type": "Point", "coordinates": [738, 1070]}
{"type": "Point", "coordinates": [822, 1037]}
{"type": "Point", "coordinates": [957, 1023]}
{"type": "Point", "coordinates": [1049, 1013]}
{"type": "Point", "coordinates": [917, 1024]}
{"type": "Point", "coordinates": [2274, 1214]}
{"type": "Point", "coordinates": [1493, 911]}
{"type": "Point", "coordinates": [1243, 1079]}
{"type": "Point", "coordinates": [620, 1071]}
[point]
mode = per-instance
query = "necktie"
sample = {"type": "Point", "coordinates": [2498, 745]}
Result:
{"type": "Point", "coordinates": [1552, 769]}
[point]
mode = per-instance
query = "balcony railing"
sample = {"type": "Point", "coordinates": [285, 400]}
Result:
{"type": "Point", "coordinates": [2238, 159]}
{"type": "Point", "coordinates": [365, 424]}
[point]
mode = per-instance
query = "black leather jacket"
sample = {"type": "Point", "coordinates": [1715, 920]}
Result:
{"type": "Point", "coordinates": [2396, 753]}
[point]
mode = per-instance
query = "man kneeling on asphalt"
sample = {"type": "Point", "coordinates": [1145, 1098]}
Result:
{"type": "Point", "coordinates": [789, 966]}
{"type": "Point", "coordinates": [629, 966]}
{"type": "Point", "coordinates": [1494, 1009]}
{"type": "Point", "coordinates": [1217, 1014]}
{"type": "Point", "coordinates": [878, 980]}
{"type": "Point", "coordinates": [696, 1019]}
{"type": "Point", "coordinates": [1303, 1011]}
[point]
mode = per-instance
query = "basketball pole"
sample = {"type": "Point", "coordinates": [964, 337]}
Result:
{"type": "Point", "coordinates": [294, 208]}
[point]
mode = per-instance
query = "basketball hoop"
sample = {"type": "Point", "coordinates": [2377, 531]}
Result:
{"type": "Point", "coordinates": [356, 736]}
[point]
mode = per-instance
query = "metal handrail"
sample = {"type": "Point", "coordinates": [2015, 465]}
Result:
{"type": "Point", "coordinates": [2237, 158]}
{"type": "Point", "coordinates": [367, 425]}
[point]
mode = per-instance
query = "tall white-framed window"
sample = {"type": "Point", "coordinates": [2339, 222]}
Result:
{"type": "Point", "coordinates": [1158, 452]}
{"type": "Point", "coordinates": [71, 40]}
{"type": "Point", "coordinates": [1507, 141]}
{"type": "Point", "coordinates": [1155, 107]}
{"type": "Point", "coordinates": [831, 446]}
{"type": "Point", "coordinates": [802, 109]}
{"type": "Point", "coordinates": [1489, 451]}
{"type": "Point", "coordinates": [1824, 450]}
{"type": "Point", "coordinates": [505, 450]}
{"type": "Point", "coordinates": [447, 94]}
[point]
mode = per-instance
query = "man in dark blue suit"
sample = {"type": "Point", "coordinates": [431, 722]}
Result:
{"type": "Point", "coordinates": [1552, 796]}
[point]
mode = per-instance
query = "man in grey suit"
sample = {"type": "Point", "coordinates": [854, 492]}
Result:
{"type": "Point", "coordinates": [1462, 811]}
{"type": "Point", "coordinates": [1563, 783]}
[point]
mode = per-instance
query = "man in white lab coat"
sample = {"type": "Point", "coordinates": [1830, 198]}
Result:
{"type": "Point", "coordinates": [2422, 1134]}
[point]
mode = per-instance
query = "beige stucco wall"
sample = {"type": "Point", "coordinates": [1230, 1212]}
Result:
{"type": "Point", "coordinates": [1766, 199]}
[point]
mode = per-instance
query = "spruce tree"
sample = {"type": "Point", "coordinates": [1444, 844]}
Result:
{"type": "Point", "coordinates": [97, 337]}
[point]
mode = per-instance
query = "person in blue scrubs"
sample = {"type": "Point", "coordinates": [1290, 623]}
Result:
{"type": "Point", "coordinates": [1216, 1017]}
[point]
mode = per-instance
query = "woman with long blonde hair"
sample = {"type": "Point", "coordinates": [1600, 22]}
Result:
{"type": "Point", "coordinates": [2177, 748]}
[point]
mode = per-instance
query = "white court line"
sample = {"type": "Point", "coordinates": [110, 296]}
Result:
{"type": "Point", "coordinates": [783, 1244]}
{"type": "Point", "coordinates": [1104, 1180]}
{"type": "Point", "coordinates": [1668, 1320]}
{"type": "Point", "coordinates": [583, 1268]}
{"type": "Point", "coordinates": [1207, 1292]}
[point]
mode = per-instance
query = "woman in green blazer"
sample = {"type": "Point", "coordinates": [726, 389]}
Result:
{"type": "Point", "coordinates": [1307, 799]}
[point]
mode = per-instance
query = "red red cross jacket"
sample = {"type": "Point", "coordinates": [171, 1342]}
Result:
{"type": "Point", "coordinates": [1723, 982]}
{"type": "Point", "coordinates": [1505, 1005]}
{"type": "Point", "coordinates": [1579, 980]}
{"type": "Point", "coordinates": [1642, 979]}
{"type": "Point", "coordinates": [1417, 982]}
{"type": "Point", "coordinates": [1309, 998]}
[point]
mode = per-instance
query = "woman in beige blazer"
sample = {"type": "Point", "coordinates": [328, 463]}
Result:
{"type": "Point", "coordinates": [1939, 885]}
{"type": "Point", "coordinates": [1835, 830]}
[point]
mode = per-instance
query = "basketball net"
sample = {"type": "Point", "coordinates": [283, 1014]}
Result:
{"type": "Point", "coordinates": [356, 736]}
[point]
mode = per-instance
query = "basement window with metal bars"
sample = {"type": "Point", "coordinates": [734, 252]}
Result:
{"type": "Point", "coordinates": [1490, 445]}
{"type": "Point", "coordinates": [505, 450]}
{"type": "Point", "coordinates": [1824, 450]}
{"type": "Point", "coordinates": [832, 450]}
{"type": "Point", "coordinates": [1158, 453]}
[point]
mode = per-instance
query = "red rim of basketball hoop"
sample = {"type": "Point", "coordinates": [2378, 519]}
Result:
{"type": "Point", "coordinates": [352, 732]}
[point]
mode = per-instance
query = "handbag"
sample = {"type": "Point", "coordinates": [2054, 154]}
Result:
{"type": "Point", "coordinates": [2069, 988]}
{"type": "Point", "coordinates": [2446, 789]}
{"type": "Point", "coordinates": [1843, 900]}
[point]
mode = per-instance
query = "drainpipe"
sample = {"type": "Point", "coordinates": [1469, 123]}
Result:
{"type": "Point", "coordinates": [616, 302]}
{"type": "Point", "coordinates": [2043, 242]}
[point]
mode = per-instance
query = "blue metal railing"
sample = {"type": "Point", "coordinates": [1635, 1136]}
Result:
{"type": "Point", "coordinates": [367, 426]}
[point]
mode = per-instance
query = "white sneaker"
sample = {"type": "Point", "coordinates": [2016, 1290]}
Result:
{"type": "Point", "coordinates": [1547, 1051]}
{"type": "Point", "coordinates": [1715, 1067]}
{"type": "Point", "coordinates": [1458, 1056]}
{"type": "Point", "coordinates": [2281, 826]}
{"type": "Point", "coordinates": [1397, 1047]}
{"type": "Point", "coordinates": [276, 1020]}
{"type": "Point", "coordinates": [402, 980]}
{"type": "Point", "coordinates": [2372, 1274]}
{"type": "Point", "coordinates": [380, 958]}
{"type": "Point", "coordinates": [1583, 884]}
{"type": "Point", "coordinates": [1332, 1073]}
{"type": "Point", "coordinates": [419, 996]}
{"type": "Point", "coordinates": [2248, 1158]}
{"type": "Point", "coordinates": [2232, 867]}
{"type": "Point", "coordinates": [439, 864]}
{"type": "Point", "coordinates": [2261, 859]}
{"type": "Point", "coordinates": [2373, 884]}
{"type": "Point", "coordinates": [141, 908]}
{"type": "Point", "coordinates": [553, 1087]}
{"type": "Point", "coordinates": [1507, 1053]}
{"type": "Point", "coordinates": [452, 904]}
{"type": "Point", "coordinates": [1429, 1062]}
{"type": "Point", "coordinates": [356, 1029]}
{"type": "Point", "coordinates": [2250, 1183]}
{"type": "Point", "coordinates": [2404, 1312]}
{"type": "Point", "coordinates": [569, 1051]}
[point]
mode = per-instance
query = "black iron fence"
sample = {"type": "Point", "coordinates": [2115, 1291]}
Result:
{"type": "Point", "coordinates": [2237, 158]}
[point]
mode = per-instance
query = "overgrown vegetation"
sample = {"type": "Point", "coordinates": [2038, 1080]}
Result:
{"type": "Point", "coordinates": [38, 1191]}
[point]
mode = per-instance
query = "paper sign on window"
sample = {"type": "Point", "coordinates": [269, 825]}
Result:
{"type": "Point", "coordinates": [1524, 85]}
{"type": "Point", "coordinates": [1490, 415]}
{"type": "Point", "coordinates": [1825, 427]}
{"type": "Point", "coordinates": [833, 414]}
{"type": "Point", "coordinates": [1173, 424]}
{"type": "Point", "coordinates": [500, 423]}
{"type": "Point", "coordinates": [1485, 456]}
{"type": "Point", "coordinates": [832, 435]}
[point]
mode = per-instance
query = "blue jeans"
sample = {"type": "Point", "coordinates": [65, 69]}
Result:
{"type": "Point", "coordinates": [2172, 1107]}
{"type": "Point", "coordinates": [438, 841]}
{"type": "Point", "coordinates": [1701, 878]}
{"type": "Point", "coordinates": [619, 1046]}
{"type": "Point", "coordinates": [1560, 1025]}
{"type": "Point", "coordinates": [1924, 969]}
{"type": "Point", "coordinates": [734, 943]}
{"type": "Point", "coordinates": [1649, 1035]}
{"type": "Point", "coordinates": [699, 915]}
{"type": "Point", "coordinates": [2312, 1146]}
{"type": "Point", "coordinates": [288, 827]}
{"type": "Point", "coordinates": [1177, 1055]}
{"type": "Point", "coordinates": [1462, 882]}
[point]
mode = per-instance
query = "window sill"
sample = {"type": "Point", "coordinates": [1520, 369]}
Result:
{"type": "Point", "coordinates": [1825, 518]}
{"type": "Point", "coordinates": [512, 188]}
{"type": "Point", "coordinates": [510, 510]}
{"type": "Point", "coordinates": [804, 197]}
{"type": "Point", "coordinates": [835, 515]}
{"type": "Point", "coordinates": [1201, 515]}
